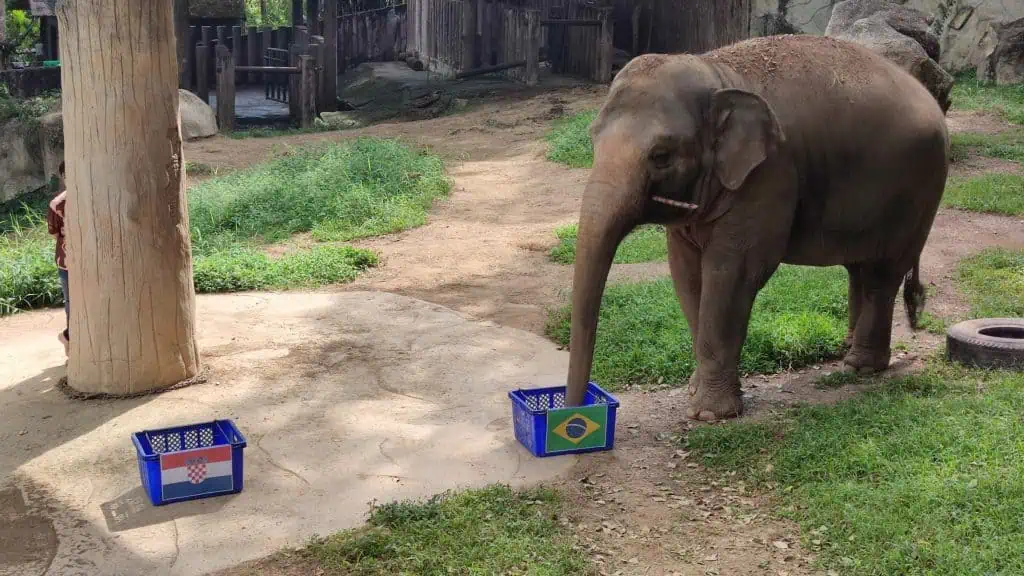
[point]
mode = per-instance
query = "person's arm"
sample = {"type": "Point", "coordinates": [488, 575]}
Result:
{"type": "Point", "coordinates": [55, 215]}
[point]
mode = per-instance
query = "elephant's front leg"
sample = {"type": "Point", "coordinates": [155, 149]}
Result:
{"type": "Point", "coordinates": [730, 283]}
{"type": "Point", "coordinates": [684, 264]}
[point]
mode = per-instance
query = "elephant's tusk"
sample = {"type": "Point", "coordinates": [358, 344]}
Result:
{"type": "Point", "coordinates": [676, 203]}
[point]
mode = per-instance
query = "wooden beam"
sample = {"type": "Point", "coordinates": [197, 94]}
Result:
{"type": "Point", "coordinates": [296, 13]}
{"type": "Point", "coordinates": [532, 47]}
{"type": "Point", "coordinates": [329, 99]}
{"type": "Point", "coordinates": [469, 9]}
{"type": "Point", "coordinates": [268, 69]}
{"type": "Point", "coordinates": [236, 44]}
{"type": "Point", "coordinates": [307, 91]}
{"type": "Point", "coordinates": [225, 89]}
{"type": "Point", "coordinates": [202, 80]}
{"type": "Point", "coordinates": [560, 22]}
{"type": "Point", "coordinates": [252, 50]}
{"type": "Point", "coordinates": [605, 46]}
{"type": "Point", "coordinates": [489, 69]}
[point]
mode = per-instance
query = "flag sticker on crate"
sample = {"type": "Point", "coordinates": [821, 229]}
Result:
{"type": "Point", "coordinates": [191, 473]}
{"type": "Point", "coordinates": [577, 428]}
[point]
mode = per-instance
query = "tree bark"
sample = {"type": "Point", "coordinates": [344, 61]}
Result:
{"type": "Point", "coordinates": [131, 297]}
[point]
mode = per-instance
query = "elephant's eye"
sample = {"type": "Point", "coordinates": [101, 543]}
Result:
{"type": "Point", "coordinates": [661, 158]}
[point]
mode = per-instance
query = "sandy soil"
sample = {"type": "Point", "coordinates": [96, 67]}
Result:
{"type": "Point", "coordinates": [644, 508]}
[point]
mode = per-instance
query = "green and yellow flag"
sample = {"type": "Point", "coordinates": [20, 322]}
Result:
{"type": "Point", "coordinates": [577, 428]}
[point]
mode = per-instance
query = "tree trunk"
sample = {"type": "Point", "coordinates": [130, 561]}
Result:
{"type": "Point", "coordinates": [129, 258]}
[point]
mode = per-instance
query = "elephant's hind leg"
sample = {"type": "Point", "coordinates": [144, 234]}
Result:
{"type": "Point", "coordinates": [871, 350]}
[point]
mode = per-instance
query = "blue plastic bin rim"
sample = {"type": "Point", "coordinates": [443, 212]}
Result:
{"type": "Point", "coordinates": [235, 437]}
{"type": "Point", "coordinates": [592, 387]}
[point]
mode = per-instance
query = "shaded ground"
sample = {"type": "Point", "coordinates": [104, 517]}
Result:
{"type": "Point", "coordinates": [483, 253]}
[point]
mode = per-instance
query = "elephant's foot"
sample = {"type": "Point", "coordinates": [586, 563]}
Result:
{"type": "Point", "coordinates": [848, 341]}
{"type": "Point", "coordinates": [714, 402]}
{"type": "Point", "coordinates": [867, 361]}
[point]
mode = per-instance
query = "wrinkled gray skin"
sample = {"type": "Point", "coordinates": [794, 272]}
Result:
{"type": "Point", "coordinates": [798, 149]}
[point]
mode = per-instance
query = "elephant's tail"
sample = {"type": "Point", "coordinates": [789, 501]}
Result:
{"type": "Point", "coordinates": [914, 295]}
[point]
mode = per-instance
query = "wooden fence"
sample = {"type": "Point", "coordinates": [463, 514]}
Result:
{"type": "Point", "coordinates": [463, 37]}
{"type": "Point", "coordinates": [378, 35]}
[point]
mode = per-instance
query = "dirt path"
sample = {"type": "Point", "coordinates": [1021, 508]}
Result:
{"type": "Point", "coordinates": [644, 509]}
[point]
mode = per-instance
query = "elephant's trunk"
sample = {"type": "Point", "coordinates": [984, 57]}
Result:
{"type": "Point", "coordinates": [610, 210]}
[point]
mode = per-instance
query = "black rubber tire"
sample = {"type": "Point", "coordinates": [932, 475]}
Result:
{"type": "Point", "coordinates": [966, 343]}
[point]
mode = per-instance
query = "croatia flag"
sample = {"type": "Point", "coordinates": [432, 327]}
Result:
{"type": "Point", "coordinates": [196, 472]}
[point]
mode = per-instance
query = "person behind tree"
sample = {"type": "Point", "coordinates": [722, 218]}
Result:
{"type": "Point", "coordinates": [55, 224]}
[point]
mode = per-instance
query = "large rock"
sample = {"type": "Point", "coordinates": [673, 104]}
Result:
{"type": "Point", "coordinates": [198, 120]}
{"type": "Point", "coordinates": [899, 33]}
{"type": "Point", "coordinates": [21, 164]}
{"type": "Point", "coordinates": [1005, 65]}
{"type": "Point", "coordinates": [969, 31]}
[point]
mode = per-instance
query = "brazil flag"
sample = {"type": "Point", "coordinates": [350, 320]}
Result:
{"type": "Point", "coordinates": [577, 428]}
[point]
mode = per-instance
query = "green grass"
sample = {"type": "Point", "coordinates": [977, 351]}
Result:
{"type": "Point", "coordinates": [645, 244]}
{"type": "Point", "coordinates": [922, 474]}
{"type": "Point", "coordinates": [992, 193]}
{"type": "Point", "coordinates": [569, 140]}
{"type": "Point", "coordinates": [1007, 101]}
{"type": "Point", "coordinates": [1005, 145]}
{"type": "Point", "coordinates": [799, 318]}
{"type": "Point", "coordinates": [494, 530]}
{"type": "Point", "coordinates": [26, 109]}
{"type": "Point", "coordinates": [336, 192]}
{"type": "Point", "coordinates": [993, 281]}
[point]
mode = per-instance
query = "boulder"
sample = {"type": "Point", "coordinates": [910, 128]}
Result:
{"type": "Point", "coordinates": [899, 33]}
{"type": "Point", "coordinates": [21, 165]}
{"type": "Point", "coordinates": [198, 120]}
{"type": "Point", "coordinates": [1005, 65]}
{"type": "Point", "coordinates": [969, 31]}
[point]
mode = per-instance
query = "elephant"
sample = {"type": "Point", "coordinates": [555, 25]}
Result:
{"type": "Point", "coordinates": [795, 149]}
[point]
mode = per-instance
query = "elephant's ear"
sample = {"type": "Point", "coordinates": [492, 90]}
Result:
{"type": "Point", "coordinates": [746, 132]}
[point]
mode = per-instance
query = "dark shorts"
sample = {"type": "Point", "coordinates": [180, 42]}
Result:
{"type": "Point", "coordinates": [67, 310]}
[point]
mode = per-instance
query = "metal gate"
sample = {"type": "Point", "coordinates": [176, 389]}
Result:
{"type": "Point", "coordinates": [275, 84]}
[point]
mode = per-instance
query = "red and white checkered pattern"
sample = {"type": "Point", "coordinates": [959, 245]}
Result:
{"type": "Point", "coordinates": [197, 472]}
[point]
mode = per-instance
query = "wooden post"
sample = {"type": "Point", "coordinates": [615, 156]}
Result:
{"type": "Point", "coordinates": [317, 50]}
{"type": "Point", "coordinates": [329, 63]}
{"type": "Point", "coordinates": [301, 37]}
{"type": "Point", "coordinates": [469, 9]}
{"type": "Point", "coordinates": [133, 320]}
{"type": "Point", "coordinates": [296, 13]}
{"type": "Point", "coordinates": [307, 91]}
{"type": "Point", "coordinates": [313, 16]}
{"type": "Point", "coordinates": [222, 36]}
{"type": "Point", "coordinates": [190, 59]}
{"type": "Point", "coordinates": [225, 89]}
{"type": "Point", "coordinates": [556, 42]}
{"type": "Point", "coordinates": [637, 10]}
{"type": "Point", "coordinates": [206, 37]}
{"type": "Point", "coordinates": [202, 81]}
{"type": "Point", "coordinates": [604, 46]}
{"type": "Point", "coordinates": [532, 47]}
{"type": "Point", "coordinates": [293, 82]}
{"type": "Point", "coordinates": [181, 35]}
{"type": "Point", "coordinates": [253, 51]}
{"type": "Point", "coordinates": [236, 45]}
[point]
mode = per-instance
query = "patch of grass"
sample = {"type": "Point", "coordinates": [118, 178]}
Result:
{"type": "Point", "coordinates": [993, 280]}
{"type": "Point", "coordinates": [26, 210]}
{"type": "Point", "coordinates": [799, 318]}
{"type": "Point", "coordinates": [338, 191]}
{"type": "Point", "coordinates": [247, 269]}
{"type": "Point", "coordinates": [569, 140]}
{"type": "Point", "coordinates": [494, 530]}
{"type": "Point", "coordinates": [645, 244]}
{"type": "Point", "coordinates": [993, 193]}
{"type": "Point", "coordinates": [932, 323]}
{"type": "Point", "coordinates": [837, 379]}
{"type": "Point", "coordinates": [1006, 145]}
{"type": "Point", "coordinates": [199, 169]}
{"type": "Point", "coordinates": [923, 474]}
{"type": "Point", "coordinates": [28, 274]}
{"type": "Point", "coordinates": [971, 94]}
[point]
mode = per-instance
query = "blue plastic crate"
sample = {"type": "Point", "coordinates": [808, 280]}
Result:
{"type": "Point", "coordinates": [547, 428]}
{"type": "Point", "coordinates": [189, 462]}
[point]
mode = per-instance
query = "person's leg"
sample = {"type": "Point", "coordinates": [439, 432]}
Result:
{"type": "Point", "coordinates": [67, 308]}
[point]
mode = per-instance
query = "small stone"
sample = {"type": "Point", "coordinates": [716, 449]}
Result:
{"type": "Point", "coordinates": [634, 560]}
{"type": "Point", "coordinates": [781, 544]}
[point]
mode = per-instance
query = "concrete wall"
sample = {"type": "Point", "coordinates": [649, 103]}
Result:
{"type": "Point", "coordinates": [966, 27]}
